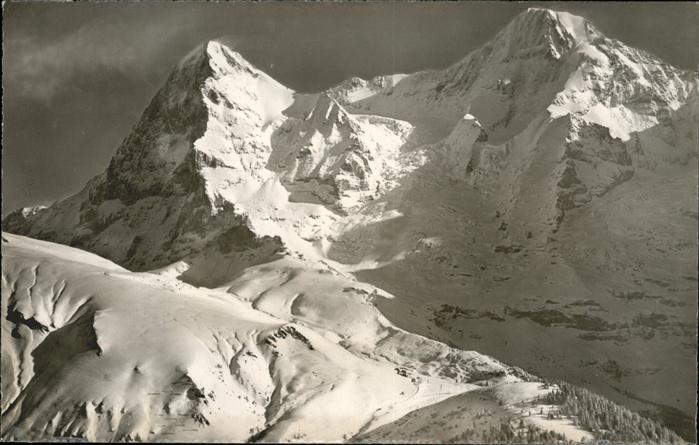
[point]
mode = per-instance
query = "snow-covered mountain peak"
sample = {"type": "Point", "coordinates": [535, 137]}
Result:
{"type": "Point", "coordinates": [543, 31]}
{"type": "Point", "coordinates": [546, 21]}
{"type": "Point", "coordinates": [223, 138]}
{"type": "Point", "coordinates": [505, 83]}
{"type": "Point", "coordinates": [240, 86]}
{"type": "Point", "coordinates": [217, 56]}
{"type": "Point", "coordinates": [222, 56]}
{"type": "Point", "coordinates": [212, 98]}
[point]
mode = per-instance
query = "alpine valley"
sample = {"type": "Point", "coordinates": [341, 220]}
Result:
{"type": "Point", "coordinates": [257, 264]}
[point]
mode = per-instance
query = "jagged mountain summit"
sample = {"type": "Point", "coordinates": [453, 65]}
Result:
{"type": "Point", "coordinates": [545, 181]}
{"type": "Point", "coordinates": [215, 137]}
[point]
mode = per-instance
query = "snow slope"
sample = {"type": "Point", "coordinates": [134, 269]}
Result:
{"type": "Point", "coordinates": [285, 352]}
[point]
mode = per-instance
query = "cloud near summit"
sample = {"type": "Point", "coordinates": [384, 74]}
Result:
{"type": "Point", "coordinates": [41, 69]}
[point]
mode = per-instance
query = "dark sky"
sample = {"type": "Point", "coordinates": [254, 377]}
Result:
{"type": "Point", "coordinates": [77, 76]}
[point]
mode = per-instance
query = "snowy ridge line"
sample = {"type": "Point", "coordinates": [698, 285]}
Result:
{"type": "Point", "coordinates": [208, 331]}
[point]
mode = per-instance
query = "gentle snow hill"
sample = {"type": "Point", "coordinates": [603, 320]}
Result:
{"type": "Point", "coordinates": [286, 352]}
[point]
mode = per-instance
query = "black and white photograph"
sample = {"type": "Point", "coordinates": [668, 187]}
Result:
{"type": "Point", "coordinates": [349, 222]}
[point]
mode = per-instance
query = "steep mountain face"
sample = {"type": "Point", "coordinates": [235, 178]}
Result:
{"type": "Point", "coordinates": [338, 159]}
{"type": "Point", "coordinates": [158, 201]}
{"type": "Point", "coordinates": [535, 198]}
{"type": "Point", "coordinates": [197, 176]}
